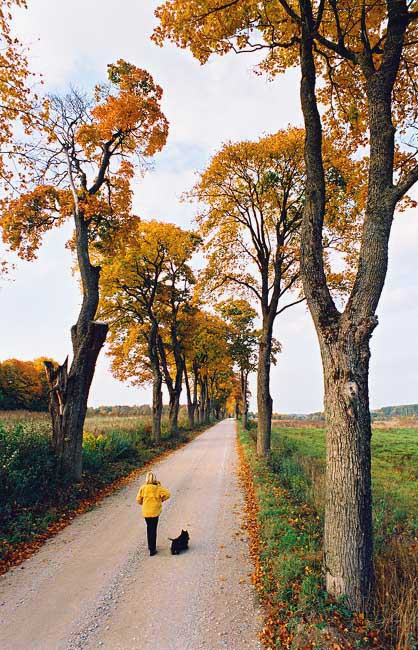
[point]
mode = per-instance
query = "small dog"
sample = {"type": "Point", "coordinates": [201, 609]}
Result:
{"type": "Point", "coordinates": [180, 543]}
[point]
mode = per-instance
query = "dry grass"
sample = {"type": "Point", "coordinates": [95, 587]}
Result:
{"type": "Point", "coordinates": [396, 593]}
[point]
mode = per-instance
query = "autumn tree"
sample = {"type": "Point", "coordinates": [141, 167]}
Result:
{"type": "Point", "coordinates": [253, 196]}
{"type": "Point", "coordinates": [208, 353]}
{"type": "Point", "coordinates": [16, 98]}
{"type": "Point", "coordinates": [23, 385]}
{"type": "Point", "coordinates": [365, 55]}
{"type": "Point", "coordinates": [146, 290]}
{"type": "Point", "coordinates": [243, 339]}
{"type": "Point", "coordinates": [176, 299]}
{"type": "Point", "coordinates": [82, 171]}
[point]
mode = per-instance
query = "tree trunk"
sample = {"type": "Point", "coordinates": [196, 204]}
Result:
{"type": "Point", "coordinates": [68, 402]}
{"type": "Point", "coordinates": [157, 406]}
{"type": "Point", "coordinates": [202, 402]}
{"type": "Point", "coordinates": [173, 416]}
{"type": "Point", "coordinates": [244, 392]}
{"type": "Point", "coordinates": [69, 390]}
{"type": "Point", "coordinates": [206, 405]}
{"type": "Point", "coordinates": [348, 545]}
{"type": "Point", "coordinates": [157, 381]}
{"type": "Point", "coordinates": [264, 400]}
{"type": "Point", "coordinates": [344, 338]}
{"type": "Point", "coordinates": [190, 404]}
{"type": "Point", "coordinates": [174, 388]}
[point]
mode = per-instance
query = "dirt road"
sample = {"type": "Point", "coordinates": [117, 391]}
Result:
{"type": "Point", "coordinates": [95, 585]}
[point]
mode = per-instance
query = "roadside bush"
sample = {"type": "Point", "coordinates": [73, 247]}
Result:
{"type": "Point", "coordinates": [27, 469]}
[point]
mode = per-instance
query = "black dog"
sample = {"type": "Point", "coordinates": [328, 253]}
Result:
{"type": "Point", "coordinates": [180, 543]}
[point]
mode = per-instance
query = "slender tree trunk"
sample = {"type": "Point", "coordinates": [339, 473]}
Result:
{"type": "Point", "coordinates": [264, 400]}
{"type": "Point", "coordinates": [195, 388]}
{"type": "Point", "coordinates": [190, 405]}
{"type": "Point", "coordinates": [202, 401]}
{"type": "Point", "coordinates": [69, 390]}
{"type": "Point", "coordinates": [157, 381]}
{"type": "Point", "coordinates": [348, 545]}
{"type": "Point", "coordinates": [206, 405]}
{"type": "Point", "coordinates": [244, 392]}
{"type": "Point", "coordinates": [157, 407]}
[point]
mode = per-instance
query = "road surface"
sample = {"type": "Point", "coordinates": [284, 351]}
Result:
{"type": "Point", "coordinates": [94, 585]}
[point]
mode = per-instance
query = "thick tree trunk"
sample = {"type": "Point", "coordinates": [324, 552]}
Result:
{"type": "Point", "coordinates": [174, 388]}
{"type": "Point", "coordinates": [173, 415]}
{"type": "Point", "coordinates": [69, 390]}
{"type": "Point", "coordinates": [68, 402]}
{"type": "Point", "coordinates": [348, 545]}
{"type": "Point", "coordinates": [344, 338]}
{"type": "Point", "coordinates": [264, 400]}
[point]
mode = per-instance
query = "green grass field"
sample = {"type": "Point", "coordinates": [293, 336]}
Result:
{"type": "Point", "coordinates": [290, 491]}
{"type": "Point", "coordinates": [394, 472]}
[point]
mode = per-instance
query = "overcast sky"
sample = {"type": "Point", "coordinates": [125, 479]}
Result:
{"type": "Point", "coordinates": [71, 43]}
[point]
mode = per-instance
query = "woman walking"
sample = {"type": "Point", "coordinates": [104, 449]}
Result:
{"type": "Point", "coordinates": [151, 496]}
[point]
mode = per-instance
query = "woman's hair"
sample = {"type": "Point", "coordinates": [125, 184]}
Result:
{"type": "Point", "coordinates": [151, 478]}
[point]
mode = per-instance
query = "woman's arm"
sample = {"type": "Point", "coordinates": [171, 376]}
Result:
{"type": "Point", "coordinates": [140, 496]}
{"type": "Point", "coordinates": [164, 493]}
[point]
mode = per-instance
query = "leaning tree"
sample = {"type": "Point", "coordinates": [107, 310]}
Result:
{"type": "Point", "coordinates": [365, 56]}
{"type": "Point", "coordinates": [80, 168]}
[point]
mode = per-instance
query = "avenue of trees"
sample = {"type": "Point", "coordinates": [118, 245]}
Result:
{"type": "Point", "coordinates": [358, 60]}
{"type": "Point", "coordinates": [273, 215]}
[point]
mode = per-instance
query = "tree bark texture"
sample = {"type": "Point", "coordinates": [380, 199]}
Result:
{"type": "Point", "coordinates": [264, 400]}
{"type": "Point", "coordinates": [174, 388]}
{"type": "Point", "coordinates": [348, 540]}
{"type": "Point", "coordinates": [244, 392]}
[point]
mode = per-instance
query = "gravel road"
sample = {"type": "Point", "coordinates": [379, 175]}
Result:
{"type": "Point", "coordinates": [94, 586]}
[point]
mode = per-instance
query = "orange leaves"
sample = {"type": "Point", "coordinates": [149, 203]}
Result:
{"type": "Point", "coordinates": [16, 98]}
{"type": "Point", "coordinates": [146, 281]}
{"type": "Point", "coordinates": [349, 44]}
{"type": "Point", "coordinates": [128, 114]}
{"type": "Point", "coordinates": [90, 152]}
{"type": "Point", "coordinates": [24, 220]}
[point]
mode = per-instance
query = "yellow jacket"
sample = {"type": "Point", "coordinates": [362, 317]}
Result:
{"type": "Point", "coordinates": [151, 498]}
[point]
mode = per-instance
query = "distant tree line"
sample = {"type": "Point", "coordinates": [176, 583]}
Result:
{"type": "Point", "coordinates": [124, 410]}
{"type": "Point", "coordinates": [23, 385]}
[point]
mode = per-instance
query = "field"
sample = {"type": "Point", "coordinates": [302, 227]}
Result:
{"type": "Point", "coordinates": [394, 472]}
{"type": "Point", "coordinates": [290, 494]}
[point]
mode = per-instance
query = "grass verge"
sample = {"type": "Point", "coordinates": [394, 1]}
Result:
{"type": "Point", "coordinates": [285, 530]}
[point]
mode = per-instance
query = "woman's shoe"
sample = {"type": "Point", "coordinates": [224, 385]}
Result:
{"type": "Point", "coordinates": [153, 552]}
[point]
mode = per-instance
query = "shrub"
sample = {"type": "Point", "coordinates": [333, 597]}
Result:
{"type": "Point", "coordinates": [27, 470]}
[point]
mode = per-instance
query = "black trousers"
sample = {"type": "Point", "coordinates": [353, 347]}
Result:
{"type": "Point", "coordinates": [152, 523]}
